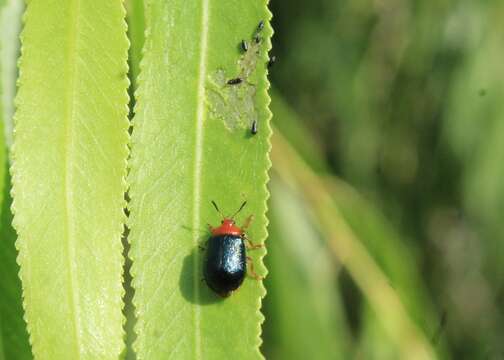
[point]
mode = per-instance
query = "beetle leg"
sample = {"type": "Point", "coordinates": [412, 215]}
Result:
{"type": "Point", "coordinates": [252, 271]}
{"type": "Point", "coordinates": [247, 223]}
{"type": "Point", "coordinates": [251, 245]}
{"type": "Point", "coordinates": [210, 227]}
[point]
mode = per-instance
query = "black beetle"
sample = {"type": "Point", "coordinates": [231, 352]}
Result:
{"type": "Point", "coordinates": [226, 257]}
{"type": "Point", "coordinates": [253, 128]}
{"type": "Point", "coordinates": [234, 81]}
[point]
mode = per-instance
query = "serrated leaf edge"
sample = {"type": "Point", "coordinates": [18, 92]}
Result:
{"type": "Point", "coordinates": [122, 204]}
{"type": "Point", "coordinates": [133, 169]}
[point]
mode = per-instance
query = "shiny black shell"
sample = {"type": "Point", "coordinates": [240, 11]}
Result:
{"type": "Point", "coordinates": [226, 263]}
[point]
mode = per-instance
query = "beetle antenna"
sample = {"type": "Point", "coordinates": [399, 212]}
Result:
{"type": "Point", "coordinates": [240, 209]}
{"type": "Point", "coordinates": [217, 208]}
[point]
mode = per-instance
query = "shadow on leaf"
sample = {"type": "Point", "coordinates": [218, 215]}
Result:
{"type": "Point", "coordinates": [187, 282]}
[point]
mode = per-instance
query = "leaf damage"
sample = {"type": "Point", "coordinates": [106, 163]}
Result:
{"type": "Point", "coordinates": [233, 101]}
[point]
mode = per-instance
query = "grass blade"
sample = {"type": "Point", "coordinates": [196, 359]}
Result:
{"type": "Point", "coordinates": [68, 171]}
{"type": "Point", "coordinates": [410, 341]}
{"type": "Point", "coordinates": [302, 285]}
{"type": "Point", "coordinates": [371, 228]}
{"type": "Point", "coordinates": [191, 144]}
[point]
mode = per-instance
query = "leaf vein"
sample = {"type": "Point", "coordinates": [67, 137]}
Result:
{"type": "Point", "coordinates": [200, 114]}
{"type": "Point", "coordinates": [68, 179]}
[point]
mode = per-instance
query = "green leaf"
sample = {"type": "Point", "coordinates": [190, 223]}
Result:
{"type": "Point", "coordinates": [69, 163]}
{"type": "Point", "coordinates": [191, 144]}
{"type": "Point", "coordinates": [13, 336]}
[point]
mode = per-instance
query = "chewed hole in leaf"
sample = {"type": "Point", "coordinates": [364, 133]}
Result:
{"type": "Point", "coordinates": [234, 104]}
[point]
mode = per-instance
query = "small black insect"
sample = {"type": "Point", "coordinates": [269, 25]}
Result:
{"type": "Point", "coordinates": [244, 45]}
{"type": "Point", "coordinates": [257, 39]}
{"type": "Point", "coordinates": [226, 258]}
{"type": "Point", "coordinates": [253, 128]}
{"type": "Point", "coordinates": [260, 26]}
{"type": "Point", "coordinates": [271, 61]}
{"type": "Point", "coordinates": [234, 81]}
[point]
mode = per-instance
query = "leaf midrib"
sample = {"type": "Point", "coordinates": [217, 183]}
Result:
{"type": "Point", "coordinates": [68, 151]}
{"type": "Point", "coordinates": [198, 151]}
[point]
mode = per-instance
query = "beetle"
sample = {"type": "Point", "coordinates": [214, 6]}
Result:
{"type": "Point", "coordinates": [253, 128]}
{"type": "Point", "coordinates": [260, 26]}
{"type": "Point", "coordinates": [244, 45]}
{"type": "Point", "coordinates": [235, 81]}
{"type": "Point", "coordinates": [226, 260]}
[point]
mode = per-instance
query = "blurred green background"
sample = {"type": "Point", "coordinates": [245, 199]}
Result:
{"type": "Point", "coordinates": [386, 187]}
{"type": "Point", "coordinates": [402, 102]}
